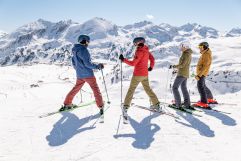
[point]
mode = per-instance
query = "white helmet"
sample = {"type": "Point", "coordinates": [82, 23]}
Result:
{"type": "Point", "coordinates": [185, 44]}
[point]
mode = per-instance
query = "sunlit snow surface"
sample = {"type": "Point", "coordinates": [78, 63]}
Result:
{"type": "Point", "coordinates": [73, 136]}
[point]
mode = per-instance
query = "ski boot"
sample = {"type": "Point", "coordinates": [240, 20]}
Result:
{"type": "Point", "coordinates": [176, 107]}
{"type": "Point", "coordinates": [188, 107]}
{"type": "Point", "coordinates": [156, 107]}
{"type": "Point", "coordinates": [101, 114]}
{"type": "Point", "coordinates": [124, 114]}
{"type": "Point", "coordinates": [67, 107]}
{"type": "Point", "coordinates": [201, 105]}
{"type": "Point", "coordinates": [212, 101]}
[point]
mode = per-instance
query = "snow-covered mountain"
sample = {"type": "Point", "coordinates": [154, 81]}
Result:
{"type": "Point", "coordinates": [47, 42]}
{"type": "Point", "coordinates": [2, 34]}
{"type": "Point", "coordinates": [234, 32]}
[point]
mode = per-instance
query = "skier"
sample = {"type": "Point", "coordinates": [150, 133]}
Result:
{"type": "Point", "coordinates": [182, 75]}
{"type": "Point", "coordinates": [140, 75]}
{"type": "Point", "coordinates": [84, 70]}
{"type": "Point", "coordinates": [202, 70]}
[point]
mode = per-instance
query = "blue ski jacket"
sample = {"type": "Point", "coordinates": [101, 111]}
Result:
{"type": "Point", "coordinates": [82, 63]}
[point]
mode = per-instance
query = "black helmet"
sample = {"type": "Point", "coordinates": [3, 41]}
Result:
{"type": "Point", "coordinates": [83, 38]}
{"type": "Point", "coordinates": [205, 45]}
{"type": "Point", "coordinates": [139, 39]}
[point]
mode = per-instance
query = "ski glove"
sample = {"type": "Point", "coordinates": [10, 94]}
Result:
{"type": "Point", "coordinates": [172, 66]}
{"type": "Point", "coordinates": [197, 77]}
{"type": "Point", "coordinates": [150, 69]}
{"type": "Point", "coordinates": [100, 66]}
{"type": "Point", "coordinates": [121, 57]}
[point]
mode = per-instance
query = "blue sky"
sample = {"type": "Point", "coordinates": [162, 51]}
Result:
{"type": "Point", "coordinates": [220, 14]}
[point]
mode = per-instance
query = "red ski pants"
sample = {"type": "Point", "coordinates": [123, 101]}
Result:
{"type": "Point", "coordinates": [79, 84]}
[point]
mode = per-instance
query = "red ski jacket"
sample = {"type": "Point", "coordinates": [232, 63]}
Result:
{"type": "Point", "coordinates": [140, 61]}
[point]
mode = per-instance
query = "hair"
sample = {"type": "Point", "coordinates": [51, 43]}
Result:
{"type": "Point", "coordinates": [205, 47]}
{"type": "Point", "coordinates": [185, 44]}
{"type": "Point", "coordinates": [141, 44]}
{"type": "Point", "coordinates": [84, 42]}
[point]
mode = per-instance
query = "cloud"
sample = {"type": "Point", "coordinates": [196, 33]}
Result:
{"type": "Point", "coordinates": [150, 16]}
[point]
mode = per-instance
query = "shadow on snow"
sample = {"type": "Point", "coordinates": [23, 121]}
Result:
{"type": "Point", "coordinates": [226, 120]}
{"type": "Point", "coordinates": [68, 126]}
{"type": "Point", "coordinates": [144, 132]}
{"type": "Point", "coordinates": [195, 123]}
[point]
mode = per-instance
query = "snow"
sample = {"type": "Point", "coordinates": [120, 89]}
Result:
{"type": "Point", "coordinates": [28, 91]}
{"type": "Point", "coordinates": [71, 136]}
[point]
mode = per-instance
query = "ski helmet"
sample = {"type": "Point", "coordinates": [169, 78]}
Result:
{"type": "Point", "coordinates": [205, 45]}
{"type": "Point", "coordinates": [139, 39]}
{"type": "Point", "coordinates": [82, 38]}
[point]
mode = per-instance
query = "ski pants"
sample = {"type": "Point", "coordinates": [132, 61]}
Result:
{"type": "Point", "coordinates": [79, 84]}
{"type": "Point", "coordinates": [180, 80]}
{"type": "Point", "coordinates": [145, 83]}
{"type": "Point", "coordinates": [203, 90]}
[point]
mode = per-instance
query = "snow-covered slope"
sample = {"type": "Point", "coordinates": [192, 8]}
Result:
{"type": "Point", "coordinates": [29, 91]}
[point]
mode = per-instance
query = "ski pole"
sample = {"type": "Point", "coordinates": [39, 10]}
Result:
{"type": "Point", "coordinates": [121, 82]}
{"type": "Point", "coordinates": [108, 101]}
{"type": "Point", "coordinates": [167, 84]}
{"type": "Point", "coordinates": [118, 126]}
{"type": "Point", "coordinates": [81, 96]}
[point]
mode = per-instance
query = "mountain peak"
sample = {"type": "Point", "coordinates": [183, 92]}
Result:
{"type": "Point", "coordinates": [138, 24]}
{"type": "Point", "coordinates": [98, 25]}
{"type": "Point", "coordinates": [189, 26]}
{"type": "Point", "coordinates": [2, 33]}
{"type": "Point", "coordinates": [234, 32]}
{"type": "Point", "coordinates": [98, 20]}
{"type": "Point", "coordinates": [40, 20]}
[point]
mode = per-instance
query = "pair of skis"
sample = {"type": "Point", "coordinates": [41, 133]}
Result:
{"type": "Point", "coordinates": [192, 111]}
{"type": "Point", "coordinates": [100, 119]}
{"type": "Point", "coordinates": [56, 112]}
{"type": "Point", "coordinates": [188, 111]}
{"type": "Point", "coordinates": [155, 111]}
{"type": "Point", "coordinates": [125, 119]}
{"type": "Point", "coordinates": [161, 112]}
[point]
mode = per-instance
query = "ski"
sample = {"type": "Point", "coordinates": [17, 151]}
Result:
{"type": "Point", "coordinates": [209, 108]}
{"type": "Point", "coordinates": [230, 104]}
{"type": "Point", "coordinates": [56, 112]}
{"type": "Point", "coordinates": [160, 112]}
{"type": "Point", "coordinates": [222, 104]}
{"type": "Point", "coordinates": [182, 109]}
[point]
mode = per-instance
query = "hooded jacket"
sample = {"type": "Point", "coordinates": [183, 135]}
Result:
{"type": "Point", "coordinates": [184, 63]}
{"type": "Point", "coordinates": [81, 62]}
{"type": "Point", "coordinates": [140, 61]}
{"type": "Point", "coordinates": [204, 63]}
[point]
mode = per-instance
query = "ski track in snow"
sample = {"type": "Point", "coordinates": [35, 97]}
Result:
{"type": "Point", "coordinates": [73, 136]}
